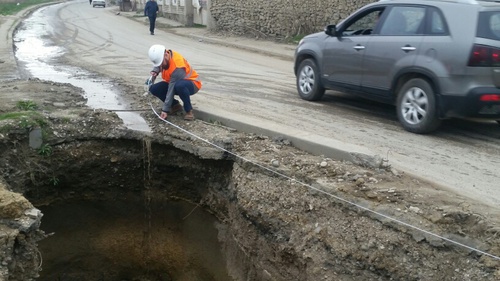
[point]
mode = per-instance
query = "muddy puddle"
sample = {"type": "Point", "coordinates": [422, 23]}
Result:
{"type": "Point", "coordinates": [130, 240]}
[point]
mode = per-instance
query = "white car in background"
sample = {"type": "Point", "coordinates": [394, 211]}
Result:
{"type": "Point", "coordinates": [101, 3]}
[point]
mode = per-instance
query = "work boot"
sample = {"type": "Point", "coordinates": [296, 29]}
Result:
{"type": "Point", "coordinates": [176, 108]}
{"type": "Point", "coordinates": [189, 116]}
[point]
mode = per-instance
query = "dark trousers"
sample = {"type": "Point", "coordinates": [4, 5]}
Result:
{"type": "Point", "coordinates": [152, 21]}
{"type": "Point", "coordinates": [183, 88]}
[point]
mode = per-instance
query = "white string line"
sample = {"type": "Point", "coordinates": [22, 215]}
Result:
{"type": "Point", "coordinates": [329, 194]}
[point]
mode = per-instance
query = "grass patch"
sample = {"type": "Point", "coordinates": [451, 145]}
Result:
{"type": "Point", "coordinates": [32, 122]}
{"type": "Point", "coordinates": [45, 150]}
{"type": "Point", "coordinates": [215, 122]}
{"type": "Point", "coordinates": [26, 119]}
{"type": "Point", "coordinates": [26, 105]}
{"type": "Point", "coordinates": [295, 39]}
{"type": "Point", "coordinates": [13, 8]}
{"type": "Point", "coordinates": [54, 181]}
{"type": "Point", "coordinates": [16, 115]}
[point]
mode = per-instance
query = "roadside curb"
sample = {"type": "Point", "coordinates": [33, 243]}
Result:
{"type": "Point", "coordinates": [314, 144]}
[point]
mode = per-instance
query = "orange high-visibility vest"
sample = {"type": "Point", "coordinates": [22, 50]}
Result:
{"type": "Point", "coordinates": [178, 61]}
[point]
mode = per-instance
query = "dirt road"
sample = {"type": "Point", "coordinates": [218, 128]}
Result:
{"type": "Point", "coordinates": [257, 89]}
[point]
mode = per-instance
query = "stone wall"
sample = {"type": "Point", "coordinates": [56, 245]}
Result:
{"type": "Point", "coordinates": [279, 18]}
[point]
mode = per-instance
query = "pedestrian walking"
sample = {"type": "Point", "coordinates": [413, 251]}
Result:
{"type": "Point", "coordinates": [151, 10]}
{"type": "Point", "coordinates": [90, 1]}
{"type": "Point", "coordinates": [179, 78]}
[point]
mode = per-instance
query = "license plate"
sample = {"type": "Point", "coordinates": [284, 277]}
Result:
{"type": "Point", "coordinates": [490, 109]}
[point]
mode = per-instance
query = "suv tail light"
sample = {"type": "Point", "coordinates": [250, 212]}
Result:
{"type": "Point", "coordinates": [482, 55]}
{"type": "Point", "coordinates": [491, 97]}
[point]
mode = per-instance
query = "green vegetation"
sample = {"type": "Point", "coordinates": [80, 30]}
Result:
{"type": "Point", "coordinates": [27, 105]}
{"type": "Point", "coordinates": [54, 181]}
{"type": "Point", "coordinates": [45, 150]}
{"type": "Point", "coordinates": [296, 39]}
{"type": "Point", "coordinates": [15, 115]}
{"type": "Point", "coordinates": [215, 122]}
{"type": "Point", "coordinates": [28, 118]}
{"type": "Point", "coordinates": [13, 8]}
{"type": "Point", "coordinates": [35, 121]}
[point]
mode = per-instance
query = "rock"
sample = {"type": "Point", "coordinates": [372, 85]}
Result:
{"type": "Point", "coordinates": [415, 209]}
{"type": "Point", "coordinates": [59, 104]}
{"type": "Point", "coordinates": [360, 181]}
{"type": "Point", "coordinates": [12, 205]}
{"type": "Point", "coordinates": [395, 172]}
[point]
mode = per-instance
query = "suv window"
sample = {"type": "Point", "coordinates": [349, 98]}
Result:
{"type": "Point", "coordinates": [438, 26]}
{"type": "Point", "coordinates": [405, 20]}
{"type": "Point", "coordinates": [364, 24]}
{"type": "Point", "coordinates": [489, 25]}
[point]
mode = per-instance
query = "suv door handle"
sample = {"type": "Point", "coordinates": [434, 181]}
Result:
{"type": "Point", "coordinates": [408, 48]}
{"type": "Point", "coordinates": [359, 47]}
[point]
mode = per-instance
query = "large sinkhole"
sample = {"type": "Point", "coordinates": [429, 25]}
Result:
{"type": "Point", "coordinates": [128, 210]}
{"type": "Point", "coordinates": [173, 209]}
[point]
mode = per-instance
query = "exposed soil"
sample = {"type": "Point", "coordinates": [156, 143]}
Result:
{"type": "Point", "coordinates": [280, 212]}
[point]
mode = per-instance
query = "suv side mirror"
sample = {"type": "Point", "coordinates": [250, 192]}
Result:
{"type": "Point", "coordinates": [331, 30]}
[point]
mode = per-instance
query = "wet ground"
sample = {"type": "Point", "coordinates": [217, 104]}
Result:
{"type": "Point", "coordinates": [36, 52]}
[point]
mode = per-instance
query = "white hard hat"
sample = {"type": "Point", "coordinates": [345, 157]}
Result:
{"type": "Point", "coordinates": [156, 53]}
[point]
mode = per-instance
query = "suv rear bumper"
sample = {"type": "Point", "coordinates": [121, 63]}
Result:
{"type": "Point", "coordinates": [471, 105]}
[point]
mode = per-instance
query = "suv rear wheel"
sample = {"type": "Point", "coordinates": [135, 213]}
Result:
{"type": "Point", "coordinates": [416, 107]}
{"type": "Point", "coordinates": [308, 81]}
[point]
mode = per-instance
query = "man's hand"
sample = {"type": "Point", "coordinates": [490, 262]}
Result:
{"type": "Point", "coordinates": [163, 115]}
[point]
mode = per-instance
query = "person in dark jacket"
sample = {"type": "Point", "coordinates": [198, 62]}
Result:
{"type": "Point", "coordinates": [151, 10]}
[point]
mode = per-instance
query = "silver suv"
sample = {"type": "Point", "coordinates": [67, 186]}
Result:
{"type": "Point", "coordinates": [432, 59]}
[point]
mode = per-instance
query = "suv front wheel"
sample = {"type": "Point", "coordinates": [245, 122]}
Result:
{"type": "Point", "coordinates": [417, 107]}
{"type": "Point", "coordinates": [308, 81]}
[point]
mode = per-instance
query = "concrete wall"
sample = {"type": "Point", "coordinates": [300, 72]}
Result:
{"type": "Point", "coordinates": [188, 12]}
{"type": "Point", "coordinates": [201, 13]}
{"type": "Point", "coordinates": [260, 18]}
{"type": "Point", "coordinates": [279, 18]}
